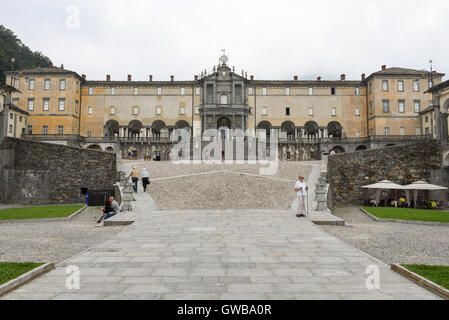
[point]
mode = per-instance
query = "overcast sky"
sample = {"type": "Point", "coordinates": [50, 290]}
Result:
{"type": "Point", "coordinates": [273, 39]}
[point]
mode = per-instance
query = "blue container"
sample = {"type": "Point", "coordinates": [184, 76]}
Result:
{"type": "Point", "coordinates": [87, 198]}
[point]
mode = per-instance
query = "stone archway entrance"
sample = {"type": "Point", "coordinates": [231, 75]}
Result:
{"type": "Point", "coordinates": [224, 125]}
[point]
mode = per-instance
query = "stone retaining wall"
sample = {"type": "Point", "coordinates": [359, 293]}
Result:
{"type": "Point", "coordinates": [42, 173]}
{"type": "Point", "coordinates": [347, 173]}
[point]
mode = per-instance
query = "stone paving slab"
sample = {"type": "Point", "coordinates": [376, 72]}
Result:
{"type": "Point", "coordinates": [243, 255]}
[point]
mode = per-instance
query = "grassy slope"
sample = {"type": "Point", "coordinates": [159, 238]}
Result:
{"type": "Point", "coordinates": [9, 270]}
{"type": "Point", "coordinates": [436, 274]}
{"type": "Point", "coordinates": [39, 212]}
{"type": "Point", "coordinates": [409, 214]}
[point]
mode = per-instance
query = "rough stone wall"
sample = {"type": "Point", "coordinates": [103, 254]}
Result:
{"type": "Point", "coordinates": [41, 173]}
{"type": "Point", "coordinates": [347, 173]}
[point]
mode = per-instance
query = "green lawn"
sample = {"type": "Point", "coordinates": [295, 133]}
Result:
{"type": "Point", "coordinates": [409, 214]}
{"type": "Point", "coordinates": [436, 274]}
{"type": "Point", "coordinates": [9, 270]}
{"type": "Point", "coordinates": [39, 212]}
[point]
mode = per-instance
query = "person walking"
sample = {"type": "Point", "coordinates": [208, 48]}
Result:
{"type": "Point", "coordinates": [301, 190]}
{"type": "Point", "coordinates": [135, 178]}
{"type": "Point", "coordinates": [145, 179]}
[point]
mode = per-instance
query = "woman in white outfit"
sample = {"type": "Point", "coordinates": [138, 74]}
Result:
{"type": "Point", "coordinates": [301, 193]}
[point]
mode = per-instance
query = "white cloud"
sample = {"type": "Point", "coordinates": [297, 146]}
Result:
{"type": "Point", "coordinates": [270, 39]}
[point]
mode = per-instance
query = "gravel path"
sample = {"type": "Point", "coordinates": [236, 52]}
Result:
{"type": "Point", "coordinates": [52, 241]}
{"type": "Point", "coordinates": [393, 242]}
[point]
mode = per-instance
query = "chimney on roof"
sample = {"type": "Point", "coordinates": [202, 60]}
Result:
{"type": "Point", "coordinates": [129, 77]}
{"type": "Point", "coordinates": [84, 77]}
{"type": "Point", "coordinates": [384, 67]}
{"type": "Point", "coordinates": [172, 78]}
{"type": "Point", "coordinates": [196, 78]}
{"type": "Point", "coordinates": [151, 78]}
{"type": "Point", "coordinates": [108, 77]}
{"type": "Point", "coordinates": [363, 77]}
{"type": "Point", "coordinates": [295, 78]}
{"type": "Point", "coordinates": [62, 66]}
{"type": "Point", "coordinates": [319, 78]}
{"type": "Point", "coordinates": [343, 77]}
{"type": "Point", "coordinates": [251, 77]}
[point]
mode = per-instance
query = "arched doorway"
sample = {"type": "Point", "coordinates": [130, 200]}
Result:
{"type": "Point", "coordinates": [265, 125]}
{"type": "Point", "coordinates": [289, 128]}
{"type": "Point", "coordinates": [112, 129]}
{"type": "Point", "coordinates": [339, 149]}
{"type": "Point", "coordinates": [157, 127]}
{"type": "Point", "coordinates": [334, 129]}
{"type": "Point", "coordinates": [110, 149]}
{"type": "Point", "coordinates": [94, 147]}
{"type": "Point", "coordinates": [224, 125]}
{"type": "Point", "coordinates": [311, 128]}
{"type": "Point", "coordinates": [134, 128]}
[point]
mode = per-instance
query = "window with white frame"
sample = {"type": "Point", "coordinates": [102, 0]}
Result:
{"type": "Point", "coordinates": [91, 91]}
{"type": "Point", "coordinates": [264, 111]}
{"type": "Point", "coordinates": [287, 91]}
{"type": "Point", "coordinates": [264, 91]}
{"type": "Point", "coordinates": [136, 91]}
{"type": "Point", "coordinates": [30, 104]}
{"type": "Point", "coordinates": [89, 134]}
{"type": "Point", "coordinates": [46, 106]}
{"type": "Point", "coordinates": [401, 106]}
{"type": "Point", "coordinates": [357, 134]}
{"type": "Point", "coordinates": [113, 91]}
{"type": "Point", "coordinates": [62, 84]}
{"type": "Point", "coordinates": [386, 106]}
{"type": "Point", "coordinates": [400, 85]}
{"type": "Point", "coordinates": [90, 110]}
{"type": "Point", "coordinates": [112, 111]}
{"type": "Point", "coordinates": [334, 112]}
{"type": "Point", "coordinates": [31, 84]}
{"type": "Point", "coordinates": [197, 91]}
{"type": "Point", "coordinates": [60, 130]}
{"type": "Point", "coordinates": [183, 91]}
{"type": "Point", "coordinates": [417, 106]}
{"type": "Point", "coordinates": [44, 129]}
{"type": "Point", "coordinates": [182, 111]}
{"type": "Point", "coordinates": [357, 91]}
{"type": "Point", "coordinates": [159, 91]}
{"type": "Point", "coordinates": [250, 91]}
{"type": "Point", "coordinates": [357, 111]}
{"type": "Point", "coordinates": [30, 129]}
{"type": "Point", "coordinates": [384, 85]}
{"type": "Point", "coordinates": [416, 86]}
{"type": "Point", "coordinates": [310, 111]}
{"type": "Point", "coordinates": [310, 91]}
{"type": "Point", "coordinates": [135, 110]}
{"type": "Point", "coordinates": [387, 131]}
{"type": "Point", "coordinates": [47, 84]}
{"type": "Point", "coordinates": [61, 105]}
{"type": "Point", "coordinates": [10, 128]}
{"type": "Point", "coordinates": [371, 109]}
{"type": "Point", "coordinates": [158, 110]}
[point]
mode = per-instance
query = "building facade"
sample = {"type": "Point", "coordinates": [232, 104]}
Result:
{"type": "Point", "coordinates": [65, 106]}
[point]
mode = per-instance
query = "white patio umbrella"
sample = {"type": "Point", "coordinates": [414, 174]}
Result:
{"type": "Point", "coordinates": [422, 186]}
{"type": "Point", "coordinates": [383, 185]}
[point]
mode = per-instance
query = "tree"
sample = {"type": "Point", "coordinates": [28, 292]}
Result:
{"type": "Point", "coordinates": [12, 47]}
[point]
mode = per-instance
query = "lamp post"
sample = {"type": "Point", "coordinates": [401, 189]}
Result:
{"type": "Point", "coordinates": [12, 69]}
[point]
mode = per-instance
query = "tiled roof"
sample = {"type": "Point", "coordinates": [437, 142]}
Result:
{"type": "Point", "coordinates": [395, 71]}
{"type": "Point", "coordinates": [47, 70]}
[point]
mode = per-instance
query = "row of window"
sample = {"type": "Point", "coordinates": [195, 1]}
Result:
{"type": "Point", "coordinates": [400, 85]}
{"type": "Point", "coordinates": [402, 131]}
{"type": "Point", "coordinates": [311, 112]}
{"type": "Point", "coordinates": [46, 104]}
{"type": "Point", "coordinates": [401, 106]}
{"type": "Point", "coordinates": [47, 84]}
{"type": "Point", "coordinates": [311, 91]}
{"type": "Point", "coordinates": [136, 91]}
{"type": "Point", "coordinates": [45, 129]}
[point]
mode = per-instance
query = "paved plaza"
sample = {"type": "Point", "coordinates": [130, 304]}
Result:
{"type": "Point", "coordinates": [237, 253]}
